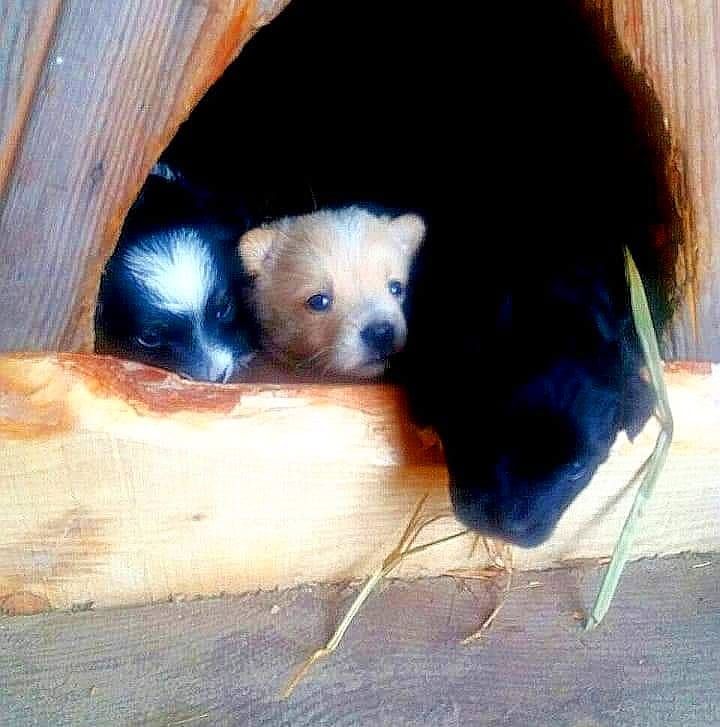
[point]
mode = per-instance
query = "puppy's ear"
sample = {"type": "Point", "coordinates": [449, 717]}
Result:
{"type": "Point", "coordinates": [254, 247]}
{"type": "Point", "coordinates": [409, 231]}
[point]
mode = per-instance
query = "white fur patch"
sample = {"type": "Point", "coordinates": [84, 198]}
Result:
{"type": "Point", "coordinates": [349, 224]}
{"type": "Point", "coordinates": [176, 269]}
{"type": "Point", "coordinates": [164, 171]}
{"type": "Point", "coordinates": [221, 363]}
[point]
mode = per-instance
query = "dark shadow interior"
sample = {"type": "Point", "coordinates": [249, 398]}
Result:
{"type": "Point", "coordinates": [504, 128]}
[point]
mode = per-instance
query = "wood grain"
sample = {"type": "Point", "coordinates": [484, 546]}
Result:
{"type": "Point", "coordinates": [26, 29]}
{"type": "Point", "coordinates": [676, 45]}
{"type": "Point", "coordinates": [224, 661]}
{"type": "Point", "coordinates": [93, 92]}
{"type": "Point", "coordinates": [123, 484]}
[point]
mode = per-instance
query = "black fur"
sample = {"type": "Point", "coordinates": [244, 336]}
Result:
{"type": "Point", "coordinates": [128, 318]}
{"type": "Point", "coordinates": [508, 129]}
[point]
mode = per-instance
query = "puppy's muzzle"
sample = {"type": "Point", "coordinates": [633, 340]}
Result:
{"type": "Point", "coordinates": [379, 337]}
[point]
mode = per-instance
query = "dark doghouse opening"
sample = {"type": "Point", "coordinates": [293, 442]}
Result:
{"type": "Point", "coordinates": [522, 132]}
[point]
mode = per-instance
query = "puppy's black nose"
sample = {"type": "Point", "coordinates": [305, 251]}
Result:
{"type": "Point", "coordinates": [379, 337]}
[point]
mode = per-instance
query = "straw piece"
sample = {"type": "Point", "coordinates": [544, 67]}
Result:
{"type": "Point", "coordinates": [398, 554]}
{"type": "Point", "coordinates": [506, 558]}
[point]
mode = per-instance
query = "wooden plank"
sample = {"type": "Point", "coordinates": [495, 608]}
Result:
{"type": "Point", "coordinates": [123, 484]}
{"type": "Point", "coordinates": [224, 661]}
{"type": "Point", "coordinates": [26, 28]}
{"type": "Point", "coordinates": [93, 92]}
{"type": "Point", "coordinates": [676, 45]}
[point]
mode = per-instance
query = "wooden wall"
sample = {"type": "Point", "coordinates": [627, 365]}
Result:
{"type": "Point", "coordinates": [676, 46]}
{"type": "Point", "coordinates": [92, 90]}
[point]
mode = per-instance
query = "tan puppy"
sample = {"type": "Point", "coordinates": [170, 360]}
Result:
{"type": "Point", "coordinates": [329, 287]}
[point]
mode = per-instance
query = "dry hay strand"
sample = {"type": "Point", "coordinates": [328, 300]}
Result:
{"type": "Point", "coordinates": [404, 549]}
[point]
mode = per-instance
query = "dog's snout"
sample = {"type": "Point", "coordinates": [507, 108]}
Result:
{"type": "Point", "coordinates": [222, 374]}
{"type": "Point", "coordinates": [379, 337]}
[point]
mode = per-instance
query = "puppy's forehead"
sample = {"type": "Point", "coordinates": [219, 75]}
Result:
{"type": "Point", "coordinates": [176, 269]}
{"type": "Point", "coordinates": [348, 248]}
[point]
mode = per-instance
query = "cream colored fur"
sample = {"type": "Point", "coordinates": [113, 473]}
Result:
{"type": "Point", "coordinates": [349, 254]}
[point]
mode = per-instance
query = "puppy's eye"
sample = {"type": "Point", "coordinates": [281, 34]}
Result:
{"type": "Point", "coordinates": [225, 310]}
{"type": "Point", "coordinates": [320, 302]}
{"type": "Point", "coordinates": [150, 338]}
{"type": "Point", "coordinates": [396, 288]}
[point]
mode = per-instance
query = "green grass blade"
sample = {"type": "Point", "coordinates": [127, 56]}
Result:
{"type": "Point", "coordinates": [654, 465]}
{"type": "Point", "coordinates": [648, 341]}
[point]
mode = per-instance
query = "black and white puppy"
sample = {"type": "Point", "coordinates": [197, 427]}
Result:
{"type": "Point", "coordinates": [172, 294]}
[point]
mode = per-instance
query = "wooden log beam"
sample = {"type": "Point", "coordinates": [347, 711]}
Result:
{"type": "Point", "coordinates": [91, 92]}
{"type": "Point", "coordinates": [122, 484]}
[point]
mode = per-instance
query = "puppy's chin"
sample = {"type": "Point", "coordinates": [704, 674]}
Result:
{"type": "Point", "coordinates": [218, 367]}
{"type": "Point", "coordinates": [357, 362]}
{"type": "Point", "coordinates": [368, 370]}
